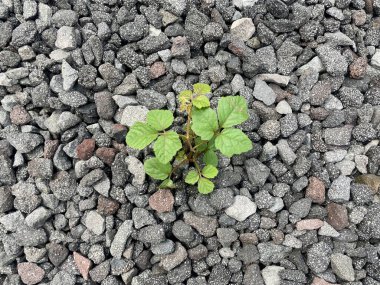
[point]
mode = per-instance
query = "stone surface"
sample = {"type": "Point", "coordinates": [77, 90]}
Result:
{"type": "Point", "coordinates": [83, 264]}
{"type": "Point", "coordinates": [241, 209]}
{"type": "Point", "coordinates": [120, 239]}
{"type": "Point", "coordinates": [133, 114]}
{"type": "Point", "coordinates": [243, 28]}
{"type": "Point", "coordinates": [30, 273]}
{"type": "Point", "coordinates": [309, 224]}
{"type": "Point", "coordinates": [206, 226]}
{"type": "Point", "coordinates": [337, 216]}
{"type": "Point", "coordinates": [174, 259]}
{"type": "Point", "coordinates": [162, 201]}
{"type": "Point", "coordinates": [316, 190]}
{"type": "Point", "coordinates": [264, 93]}
{"type": "Point", "coordinates": [95, 223]}
{"type": "Point", "coordinates": [342, 266]}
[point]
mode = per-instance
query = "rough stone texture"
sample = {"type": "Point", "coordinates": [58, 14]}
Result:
{"type": "Point", "coordinates": [30, 273]}
{"type": "Point", "coordinates": [342, 267]}
{"type": "Point", "coordinates": [241, 209]}
{"type": "Point", "coordinates": [120, 239]}
{"type": "Point", "coordinates": [83, 264]}
{"type": "Point", "coordinates": [162, 201]}
{"type": "Point", "coordinates": [300, 207]}
{"type": "Point", "coordinates": [337, 216]}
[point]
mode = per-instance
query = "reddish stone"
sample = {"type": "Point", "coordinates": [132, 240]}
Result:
{"type": "Point", "coordinates": [337, 216]}
{"type": "Point", "coordinates": [320, 281]}
{"type": "Point", "coordinates": [238, 48]}
{"type": "Point", "coordinates": [316, 190]}
{"type": "Point", "coordinates": [157, 69]}
{"type": "Point", "coordinates": [358, 68]}
{"type": "Point", "coordinates": [162, 201]}
{"type": "Point", "coordinates": [107, 206]}
{"type": "Point", "coordinates": [309, 224]}
{"type": "Point", "coordinates": [50, 148]}
{"type": "Point", "coordinates": [106, 154]}
{"type": "Point", "coordinates": [248, 238]}
{"type": "Point", "coordinates": [30, 273]}
{"type": "Point", "coordinates": [180, 47]}
{"type": "Point", "coordinates": [19, 116]}
{"type": "Point", "coordinates": [85, 149]}
{"type": "Point", "coordinates": [83, 264]}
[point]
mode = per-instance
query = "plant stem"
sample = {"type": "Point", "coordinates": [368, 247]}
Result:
{"type": "Point", "coordinates": [197, 167]}
{"type": "Point", "coordinates": [188, 128]}
{"type": "Point", "coordinates": [177, 166]}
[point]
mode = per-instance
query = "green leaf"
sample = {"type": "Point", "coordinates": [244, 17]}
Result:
{"type": "Point", "coordinates": [201, 145]}
{"type": "Point", "coordinates": [181, 155]}
{"type": "Point", "coordinates": [232, 141]}
{"type": "Point", "coordinates": [159, 119]}
{"type": "Point", "coordinates": [192, 177]}
{"type": "Point", "coordinates": [140, 135]}
{"type": "Point", "coordinates": [184, 96]}
{"type": "Point", "coordinates": [166, 146]}
{"type": "Point", "coordinates": [211, 144]}
{"type": "Point", "coordinates": [205, 123]}
{"type": "Point", "coordinates": [232, 110]}
{"type": "Point", "coordinates": [156, 169]}
{"type": "Point", "coordinates": [167, 183]}
{"type": "Point", "coordinates": [209, 171]}
{"type": "Point", "coordinates": [201, 101]}
{"type": "Point", "coordinates": [205, 186]}
{"type": "Point", "coordinates": [184, 99]}
{"type": "Point", "coordinates": [210, 158]}
{"type": "Point", "coordinates": [201, 88]}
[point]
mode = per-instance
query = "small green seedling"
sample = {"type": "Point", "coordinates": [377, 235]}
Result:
{"type": "Point", "coordinates": [205, 132]}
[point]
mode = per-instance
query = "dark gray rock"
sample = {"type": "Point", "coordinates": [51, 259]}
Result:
{"type": "Point", "coordinates": [151, 234]}
{"type": "Point", "coordinates": [318, 257]}
{"type": "Point", "coordinates": [111, 75]}
{"type": "Point", "coordinates": [220, 275]}
{"type": "Point", "coordinates": [272, 253]}
{"type": "Point", "coordinates": [221, 198]}
{"type": "Point", "coordinates": [63, 186]}
{"type": "Point", "coordinates": [7, 176]}
{"type": "Point", "coordinates": [73, 99]}
{"type": "Point", "coordinates": [24, 142]}
{"type": "Point", "coordinates": [301, 207]}
{"type": "Point", "coordinates": [152, 44]}
{"type": "Point", "coordinates": [151, 99]}
{"type": "Point", "coordinates": [6, 199]}
{"type": "Point", "coordinates": [257, 172]}
{"type": "Point", "coordinates": [24, 34]}
{"type": "Point", "coordinates": [361, 194]}
{"type": "Point", "coordinates": [331, 58]}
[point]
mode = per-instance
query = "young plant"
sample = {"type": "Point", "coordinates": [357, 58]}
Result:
{"type": "Point", "coordinates": [205, 132]}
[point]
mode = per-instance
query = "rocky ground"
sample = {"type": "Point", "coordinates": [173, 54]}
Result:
{"type": "Point", "coordinates": [300, 208]}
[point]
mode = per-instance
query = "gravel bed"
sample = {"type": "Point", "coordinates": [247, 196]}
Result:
{"type": "Point", "coordinates": [301, 208]}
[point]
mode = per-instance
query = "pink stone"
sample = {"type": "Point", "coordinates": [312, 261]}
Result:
{"type": "Point", "coordinates": [83, 264]}
{"type": "Point", "coordinates": [157, 69]}
{"type": "Point", "coordinates": [30, 273]}
{"type": "Point", "coordinates": [316, 190]}
{"type": "Point", "coordinates": [320, 281]}
{"type": "Point", "coordinates": [310, 224]}
{"type": "Point", "coordinates": [162, 201]}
